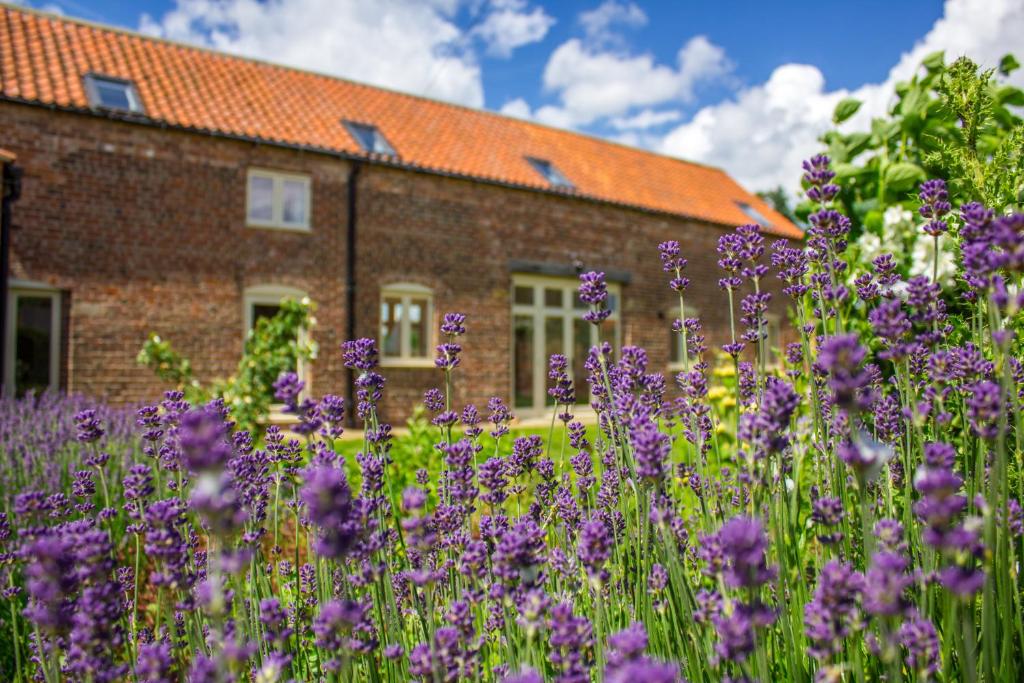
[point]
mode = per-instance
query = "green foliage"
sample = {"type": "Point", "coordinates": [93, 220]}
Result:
{"type": "Point", "coordinates": [274, 345]}
{"type": "Point", "coordinates": [953, 121]}
{"type": "Point", "coordinates": [778, 200]}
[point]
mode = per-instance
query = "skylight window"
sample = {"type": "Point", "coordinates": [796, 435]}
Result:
{"type": "Point", "coordinates": [753, 213]}
{"type": "Point", "coordinates": [369, 138]}
{"type": "Point", "coordinates": [550, 173]}
{"type": "Point", "coordinates": [112, 93]}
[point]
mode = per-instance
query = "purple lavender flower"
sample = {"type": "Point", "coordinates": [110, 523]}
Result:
{"type": "Point", "coordinates": [984, 407]}
{"type": "Point", "coordinates": [833, 614]}
{"type": "Point", "coordinates": [287, 388]}
{"type": "Point", "coordinates": [886, 583]}
{"type": "Point", "coordinates": [520, 553]}
{"type": "Point", "coordinates": [453, 324]}
{"type": "Point", "coordinates": [651, 448]}
{"type": "Point", "coordinates": [841, 357]}
{"type": "Point", "coordinates": [89, 428]}
{"type": "Point", "coordinates": [917, 634]}
{"type": "Point", "coordinates": [934, 206]}
{"type": "Point", "coordinates": [673, 262]}
{"type": "Point", "coordinates": [359, 354]}
{"type": "Point", "coordinates": [594, 292]}
{"type": "Point", "coordinates": [744, 546]}
{"type": "Point", "coordinates": [571, 642]}
{"type": "Point", "coordinates": [491, 474]}
{"type": "Point", "coordinates": [818, 178]}
{"type": "Point", "coordinates": [330, 506]}
{"type": "Point", "coordinates": [155, 663]}
{"type": "Point", "coordinates": [594, 548]}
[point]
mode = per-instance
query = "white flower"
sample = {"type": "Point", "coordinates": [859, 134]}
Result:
{"type": "Point", "coordinates": [870, 246]}
{"type": "Point", "coordinates": [897, 218]}
{"type": "Point", "coordinates": [923, 258]}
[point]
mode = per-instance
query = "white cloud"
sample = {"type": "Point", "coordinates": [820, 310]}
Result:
{"type": "Point", "coordinates": [510, 25]}
{"type": "Point", "coordinates": [592, 84]}
{"type": "Point", "coordinates": [410, 45]}
{"type": "Point", "coordinates": [644, 119]}
{"type": "Point", "coordinates": [763, 132]}
{"type": "Point", "coordinates": [517, 108]}
{"type": "Point", "coordinates": [597, 23]}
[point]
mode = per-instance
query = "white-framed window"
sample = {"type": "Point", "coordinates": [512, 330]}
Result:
{"type": "Point", "coordinates": [32, 346]}
{"type": "Point", "coordinates": [406, 325]}
{"type": "Point", "coordinates": [109, 92]}
{"type": "Point", "coordinates": [675, 341]}
{"type": "Point", "coordinates": [277, 200]}
{"type": "Point", "coordinates": [264, 301]}
{"type": "Point", "coordinates": [369, 138]}
{"type": "Point", "coordinates": [547, 318]}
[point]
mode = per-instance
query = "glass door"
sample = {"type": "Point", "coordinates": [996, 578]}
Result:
{"type": "Point", "coordinates": [547, 318]}
{"type": "Point", "coordinates": [33, 341]}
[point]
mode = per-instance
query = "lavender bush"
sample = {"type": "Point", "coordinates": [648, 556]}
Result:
{"type": "Point", "coordinates": [852, 514]}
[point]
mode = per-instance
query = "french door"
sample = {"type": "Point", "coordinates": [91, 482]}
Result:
{"type": "Point", "coordinates": [547, 318]}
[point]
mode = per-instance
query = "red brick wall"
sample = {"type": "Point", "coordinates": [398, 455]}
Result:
{"type": "Point", "coordinates": [145, 230]}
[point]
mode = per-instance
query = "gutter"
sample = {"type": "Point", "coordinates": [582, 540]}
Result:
{"type": "Point", "coordinates": [350, 281]}
{"type": "Point", "coordinates": [11, 191]}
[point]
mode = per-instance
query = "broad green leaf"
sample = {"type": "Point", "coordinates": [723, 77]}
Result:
{"type": "Point", "coordinates": [902, 176]}
{"type": "Point", "coordinates": [934, 61]}
{"type": "Point", "coordinates": [1008, 64]}
{"type": "Point", "coordinates": [1007, 94]}
{"type": "Point", "coordinates": [856, 143]}
{"type": "Point", "coordinates": [846, 108]}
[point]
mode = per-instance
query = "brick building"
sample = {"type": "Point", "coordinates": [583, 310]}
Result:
{"type": "Point", "coordinates": [171, 189]}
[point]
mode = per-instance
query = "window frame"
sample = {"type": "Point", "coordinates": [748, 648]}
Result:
{"type": "Point", "coordinates": [539, 311]}
{"type": "Point", "coordinates": [551, 173]}
{"type": "Point", "coordinates": [272, 295]}
{"type": "Point", "coordinates": [753, 213]}
{"type": "Point", "coordinates": [406, 291]}
{"type": "Point", "coordinates": [278, 179]}
{"type": "Point", "coordinates": [17, 289]}
{"type": "Point", "coordinates": [379, 139]}
{"type": "Point", "coordinates": [91, 83]}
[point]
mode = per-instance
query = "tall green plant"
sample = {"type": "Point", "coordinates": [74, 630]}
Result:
{"type": "Point", "coordinates": [276, 344]}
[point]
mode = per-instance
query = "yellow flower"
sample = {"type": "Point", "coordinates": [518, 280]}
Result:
{"type": "Point", "coordinates": [717, 392]}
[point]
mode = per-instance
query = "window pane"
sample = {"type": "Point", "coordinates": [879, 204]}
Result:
{"type": "Point", "coordinates": [607, 334]}
{"type": "Point", "coordinates": [390, 326]}
{"type": "Point", "coordinates": [524, 295]}
{"type": "Point", "coordinates": [264, 311]}
{"type": "Point", "coordinates": [261, 198]}
{"type": "Point", "coordinates": [675, 346]}
{"type": "Point", "coordinates": [613, 302]}
{"type": "Point", "coordinates": [553, 298]}
{"type": "Point", "coordinates": [580, 351]}
{"type": "Point", "coordinates": [523, 361]}
{"type": "Point", "coordinates": [294, 196]}
{"type": "Point", "coordinates": [576, 302]}
{"type": "Point", "coordinates": [33, 337]}
{"type": "Point", "coordinates": [418, 328]}
{"type": "Point", "coordinates": [554, 342]}
{"type": "Point", "coordinates": [113, 95]}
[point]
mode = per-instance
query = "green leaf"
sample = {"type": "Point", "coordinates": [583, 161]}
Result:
{"type": "Point", "coordinates": [1008, 64]}
{"type": "Point", "coordinates": [847, 171]}
{"type": "Point", "coordinates": [902, 176]}
{"type": "Point", "coordinates": [846, 108]}
{"type": "Point", "coordinates": [857, 143]}
{"type": "Point", "coordinates": [1007, 94]}
{"type": "Point", "coordinates": [914, 102]}
{"type": "Point", "coordinates": [934, 61]}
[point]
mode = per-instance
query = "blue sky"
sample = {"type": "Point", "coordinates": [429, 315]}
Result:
{"type": "Point", "coordinates": [741, 84]}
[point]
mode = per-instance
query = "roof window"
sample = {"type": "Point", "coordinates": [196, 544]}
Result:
{"type": "Point", "coordinates": [753, 213]}
{"type": "Point", "coordinates": [112, 93]}
{"type": "Point", "coordinates": [550, 173]}
{"type": "Point", "coordinates": [369, 138]}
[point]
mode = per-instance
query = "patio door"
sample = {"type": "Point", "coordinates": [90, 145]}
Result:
{"type": "Point", "coordinates": [547, 318]}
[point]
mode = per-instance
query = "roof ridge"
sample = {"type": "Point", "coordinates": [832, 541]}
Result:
{"type": "Point", "coordinates": [277, 65]}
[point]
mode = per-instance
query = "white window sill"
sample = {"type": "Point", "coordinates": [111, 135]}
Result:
{"type": "Point", "coordinates": [407, 363]}
{"type": "Point", "coordinates": [278, 226]}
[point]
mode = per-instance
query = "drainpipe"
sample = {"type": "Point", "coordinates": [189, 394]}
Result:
{"type": "Point", "coordinates": [11, 184]}
{"type": "Point", "coordinates": [350, 283]}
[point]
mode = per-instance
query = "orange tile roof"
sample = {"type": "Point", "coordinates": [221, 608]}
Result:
{"type": "Point", "coordinates": [43, 59]}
